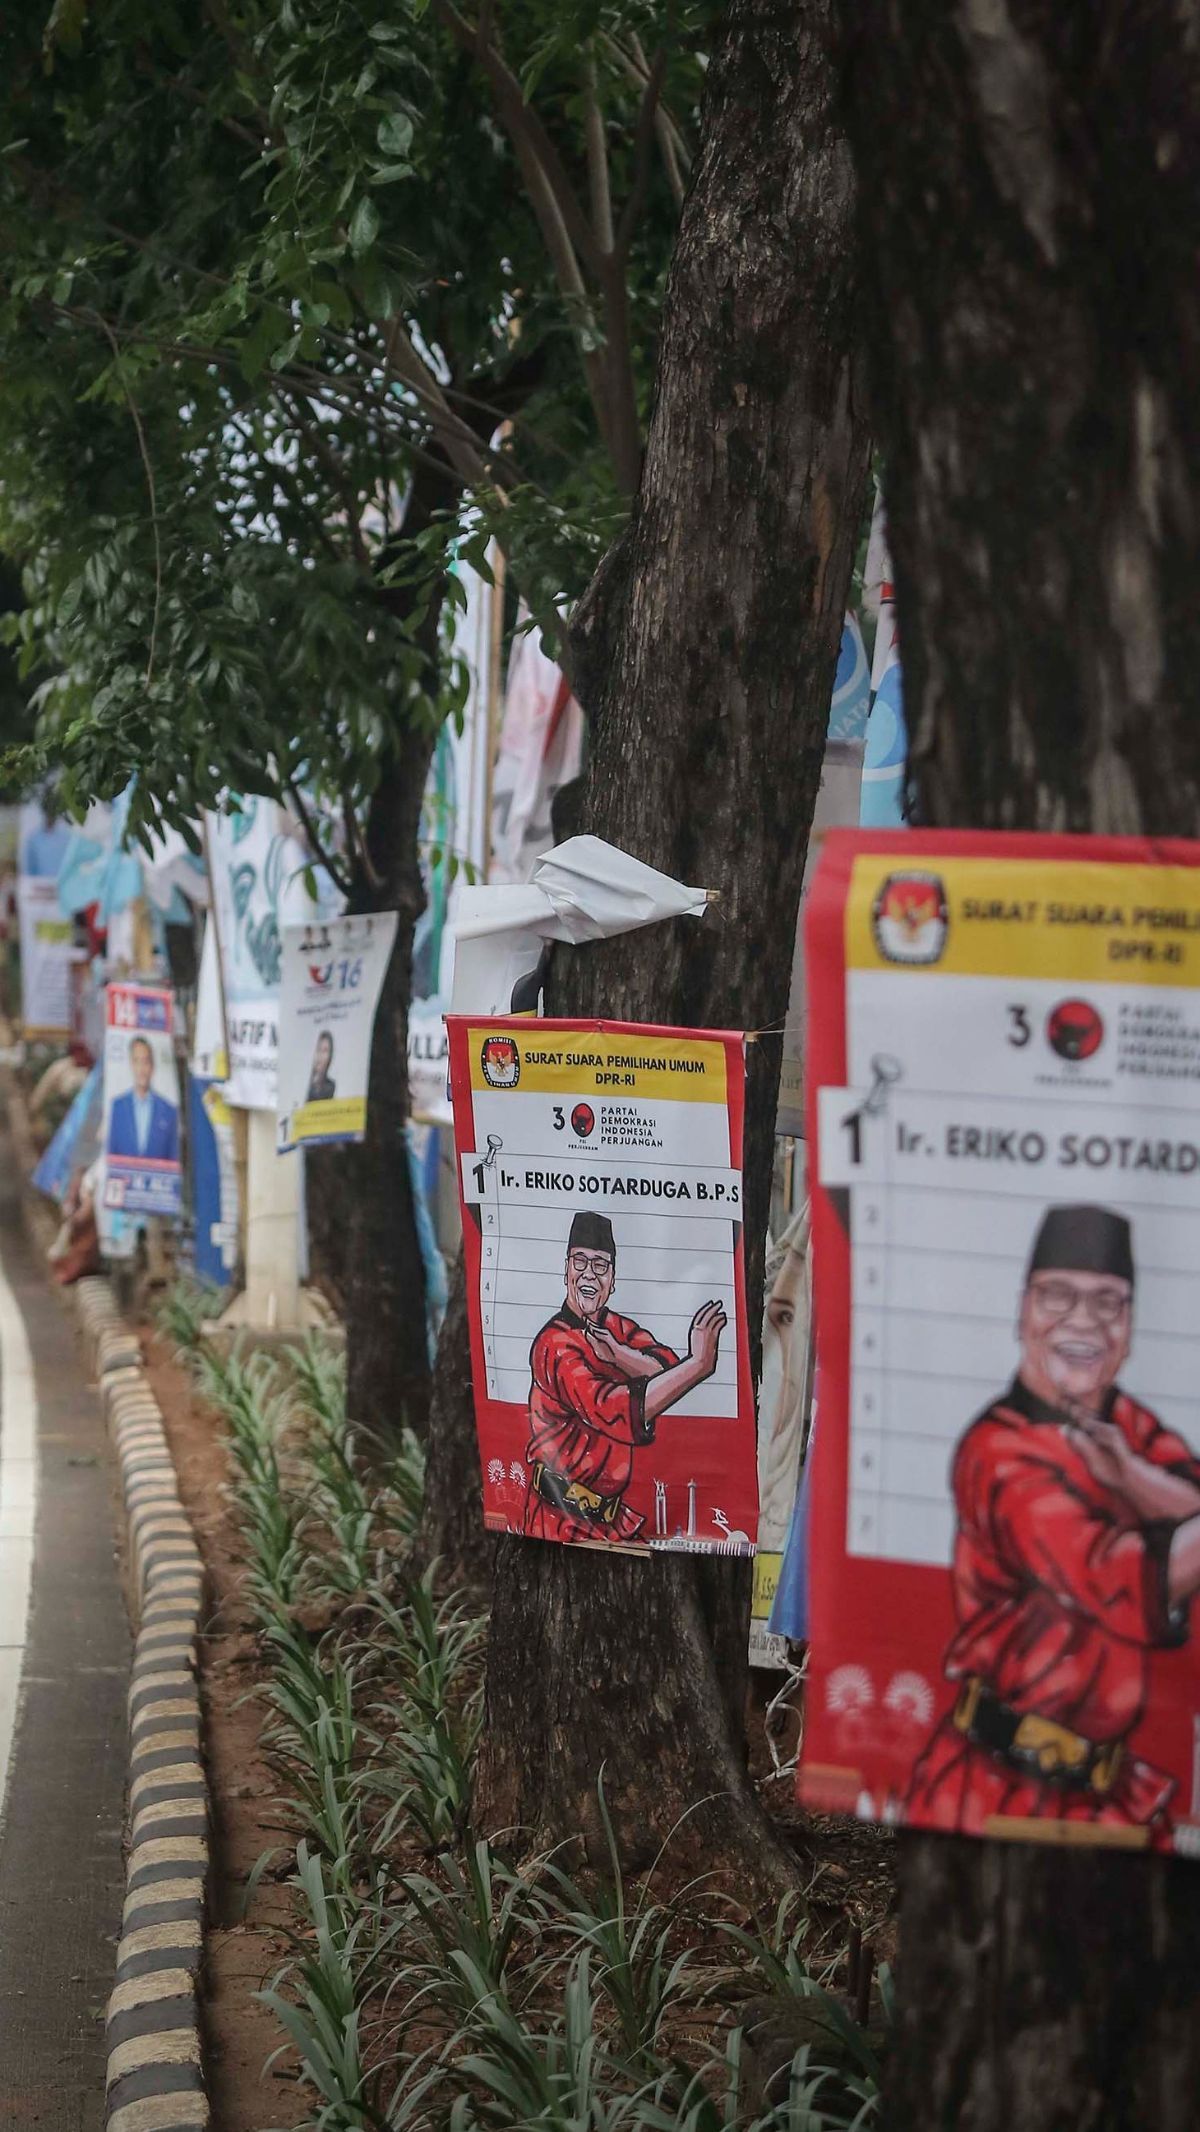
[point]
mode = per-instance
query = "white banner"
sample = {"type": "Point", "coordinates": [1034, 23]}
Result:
{"type": "Point", "coordinates": [428, 1062]}
{"type": "Point", "coordinates": [47, 954]}
{"type": "Point", "coordinates": [541, 749]}
{"type": "Point", "coordinates": [258, 865]}
{"type": "Point", "coordinates": [332, 976]}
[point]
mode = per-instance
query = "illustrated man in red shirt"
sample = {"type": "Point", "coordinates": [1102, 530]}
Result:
{"type": "Point", "coordinates": [1077, 1555]}
{"type": "Point", "coordinates": [600, 1383]}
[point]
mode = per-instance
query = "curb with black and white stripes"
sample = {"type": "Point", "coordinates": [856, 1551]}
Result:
{"type": "Point", "coordinates": [155, 2079]}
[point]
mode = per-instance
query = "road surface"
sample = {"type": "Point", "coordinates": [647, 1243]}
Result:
{"type": "Point", "coordinates": [64, 1668]}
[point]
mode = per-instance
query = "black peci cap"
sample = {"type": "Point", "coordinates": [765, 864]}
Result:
{"type": "Point", "coordinates": [1083, 1240]}
{"type": "Point", "coordinates": [592, 1232]}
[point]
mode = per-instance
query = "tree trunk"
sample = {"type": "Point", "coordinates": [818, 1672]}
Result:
{"type": "Point", "coordinates": [383, 1281]}
{"type": "Point", "coordinates": [452, 1530]}
{"type": "Point", "coordinates": [711, 648]}
{"type": "Point", "coordinates": [1034, 215]}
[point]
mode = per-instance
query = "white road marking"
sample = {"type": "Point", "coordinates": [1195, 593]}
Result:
{"type": "Point", "coordinates": [18, 1504]}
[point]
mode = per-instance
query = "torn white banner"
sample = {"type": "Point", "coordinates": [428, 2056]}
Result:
{"type": "Point", "coordinates": [583, 890]}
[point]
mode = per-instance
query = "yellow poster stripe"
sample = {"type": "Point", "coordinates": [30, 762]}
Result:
{"type": "Point", "coordinates": [341, 1114]}
{"type": "Point", "coordinates": [587, 1062]}
{"type": "Point", "coordinates": [1078, 922]}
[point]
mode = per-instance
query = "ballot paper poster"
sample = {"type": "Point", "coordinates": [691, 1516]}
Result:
{"type": "Point", "coordinates": [601, 1187]}
{"type": "Point", "coordinates": [141, 1103]}
{"type": "Point", "coordinates": [332, 977]}
{"type": "Point", "coordinates": [1005, 1541]}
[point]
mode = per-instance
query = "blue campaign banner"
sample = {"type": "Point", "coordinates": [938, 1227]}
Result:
{"type": "Point", "coordinates": [76, 1142]}
{"type": "Point", "coordinates": [214, 1182]}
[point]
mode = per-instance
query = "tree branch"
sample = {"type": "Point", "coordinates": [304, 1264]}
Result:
{"type": "Point", "coordinates": [325, 858]}
{"type": "Point", "coordinates": [565, 231]}
{"type": "Point", "coordinates": [456, 436]}
{"type": "Point", "coordinates": [360, 855]}
{"type": "Point", "coordinates": [523, 123]}
{"type": "Point", "coordinates": [675, 151]}
{"type": "Point", "coordinates": [319, 447]}
{"type": "Point", "coordinates": [597, 161]}
{"type": "Point", "coordinates": [143, 448]}
{"type": "Point", "coordinates": [243, 58]}
{"type": "Point", "coordinates": [625, 430]}
{"type": "Point", "coordinates": [666, 144]}
{"type": "Point", "coordinates": [643, 141]}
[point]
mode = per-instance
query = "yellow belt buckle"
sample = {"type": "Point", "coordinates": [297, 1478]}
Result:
{"type": "Point", "coordinates": [583, 1498]}
{"type": "Point", "coordinates": [1052, 1746]}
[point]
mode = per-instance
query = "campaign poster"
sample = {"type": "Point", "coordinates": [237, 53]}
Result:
{"type": "Point", "coordinates": [837, 807]}
{"type": "Point", "coordinates": [76, 1143]}
{"type": "Point", "coordinates": [142, 1172]}
{"type": "Point", "coordinates": [1005, 1536]}
{"type": "Point", "coordinates": [784, 1398]}
{"type": "Point", "coordinates": [261, 872]}
{"type": "Point", "coordinates": [601, 1188]}
{"type": "Point", "coordinates": [332, 977]}
{"type": "Point", "coordinates": [48, 953]}
{"type": "Point", "coordinates": [214, 1182]}
{"type": "Point", "coordinates": [209, 1060]}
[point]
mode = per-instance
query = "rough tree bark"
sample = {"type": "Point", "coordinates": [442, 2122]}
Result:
{"type": "Point", "coordinates": [1030, 175]}
{"type": "Point", "coordinates": [361, 1214]}
{"type": "Point", "coordinates": [708, 654]}
{"type": "Point", "coordinates": [452, 1530]}
{"type": "Point", "coordinates": [384, 1280]}
{"type": "Point", "coordinates": [362, 1229]}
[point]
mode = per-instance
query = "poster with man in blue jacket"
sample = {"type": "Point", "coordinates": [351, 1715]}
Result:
{"type": "Point", "coordinates": [141, 1142]}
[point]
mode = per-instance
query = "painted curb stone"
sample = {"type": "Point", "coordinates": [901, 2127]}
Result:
{"type": "Point", "coordinates": [155, 2079]}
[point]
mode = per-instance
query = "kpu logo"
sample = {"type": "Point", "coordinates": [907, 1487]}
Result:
{"type": "Point", "coordinates": [583, 1120]}
{"type": "Point", "coordinates": [501, 1062]}
{"type": "Point", "coordinates": [1074, 1030]}
{"type": "Point", "coordinates": [909, 918]}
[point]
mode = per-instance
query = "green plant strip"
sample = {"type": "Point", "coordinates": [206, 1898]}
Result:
{"type": "Point", "coordinates": [434, 1984]}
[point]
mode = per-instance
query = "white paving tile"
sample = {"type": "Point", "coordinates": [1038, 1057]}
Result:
{"type": "Point", "coordinates": [16, 1570]}
{"type": "Point", "coordinates": [10, 1690]}
{"type": "Point", "coordinates": [18, 1481]}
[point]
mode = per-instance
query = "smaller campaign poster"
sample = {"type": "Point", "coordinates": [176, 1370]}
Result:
{"type": "Point", "coordinates": [333, 974]}
{"type": "Point", "coordinates": [1005, 1511]}
{"type": "Point", "coordinates": [142, 1172]}
{"type": "Point", "coordinates": [600, 1174]}
{"type": "Point", "coordinates": [48, 954]}
{"type": "Point", "coordinates": [428, 1063]}
{"type": "Point", "coordinates": [214, 1181]}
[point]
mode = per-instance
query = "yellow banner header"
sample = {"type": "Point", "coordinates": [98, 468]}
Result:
{"type": "Point", "coordinates": [336, 1115]}
{"type": "Point", "coordinates": [590, 1062]}
{"type": "Point", "coordinates": [994, 917]}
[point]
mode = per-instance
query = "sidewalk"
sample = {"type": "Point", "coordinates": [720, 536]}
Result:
{"type": "Point", "coordinates": [61, 1880]}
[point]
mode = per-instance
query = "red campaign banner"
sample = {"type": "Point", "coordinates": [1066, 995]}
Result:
{"type": "Point", "coordinates": [600, 1180]}
{"type": "Point", "coordinates": [1004, 1119]}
